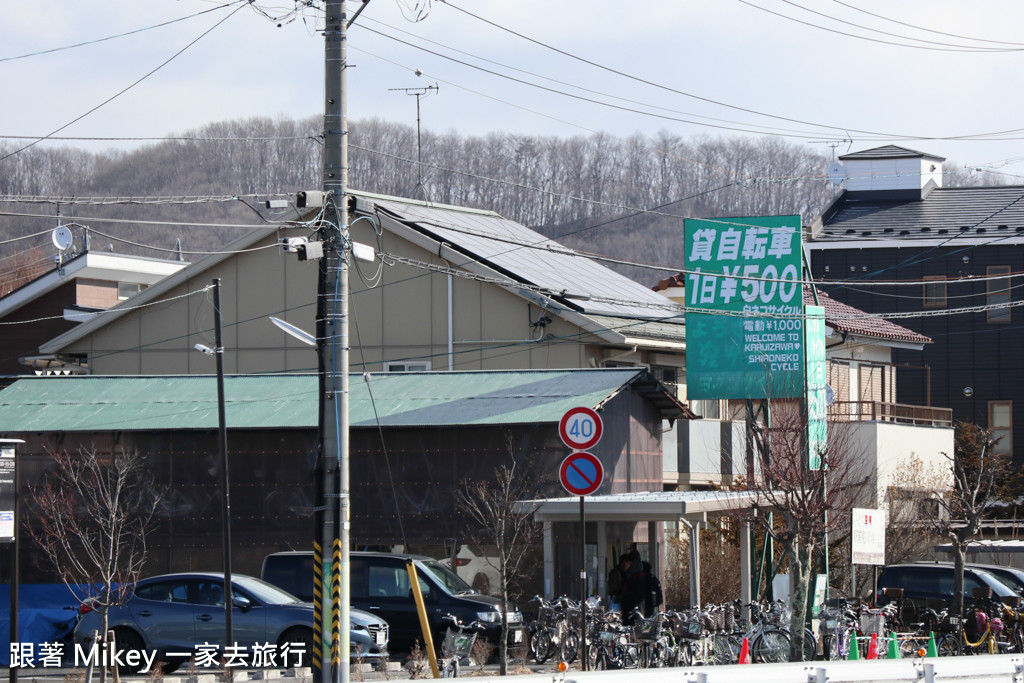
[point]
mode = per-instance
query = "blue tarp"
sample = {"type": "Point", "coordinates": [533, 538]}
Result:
{"type": "Point", "coordinates": [42, 617]}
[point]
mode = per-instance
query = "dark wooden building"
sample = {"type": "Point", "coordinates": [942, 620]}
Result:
{"type": "Point", "coordinates": [942, 261]}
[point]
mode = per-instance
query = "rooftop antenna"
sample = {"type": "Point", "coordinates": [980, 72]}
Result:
{"type": "Point", "coordinates": [836, 171]}
{"type": "Point", "coordinates": [62, 239]}
{"type": "Point", "coordinates": [177, 250]}
{"type": "Point", "coordinates": [418, 92]}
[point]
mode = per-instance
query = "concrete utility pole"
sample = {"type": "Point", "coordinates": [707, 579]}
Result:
{"type": "Point", "coordinates": [331, 549]}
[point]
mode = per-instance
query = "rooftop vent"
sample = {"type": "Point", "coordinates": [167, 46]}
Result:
{"type": "Point", "coordinates": [904, 232]}
{"type": "Point", "coordinates": [964, 228]}
{"type": "Point", "coordinates": [926, 229]}
{"type": "Point", "coordinates": [943, 231]}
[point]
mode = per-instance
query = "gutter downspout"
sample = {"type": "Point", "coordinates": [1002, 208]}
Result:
{"type": "Point", "coordinates": [451, 338]}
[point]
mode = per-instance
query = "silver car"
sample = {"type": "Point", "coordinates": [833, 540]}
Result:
{"type": "Point", "coordinates": [174, 618]}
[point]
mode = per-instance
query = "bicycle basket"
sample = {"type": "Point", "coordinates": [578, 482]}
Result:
{"type": "Point", "coordinates": [608, 636]}
{"type": "Point", "coordinates": [719, 621]}
{"type": "Point", "coordinates": [690, 629]}
{"type": "Point", "coordinates": [647, 629]}
{"type": "Point", "coordinates": [730, 618]}
{"type": "Point", "coordinates": [872, 621]}
{"type": "Point", "coordinates": [950, 624]}
{"type": "Point", "coordinates": [457, 643]}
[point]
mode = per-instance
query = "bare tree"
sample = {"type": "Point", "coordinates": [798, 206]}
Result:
{"type": "Point", "coordinates": [94, 512]}
{"type": "Point", "coordinates": [910, 504]}
{"type": "Point", "coordinates": [513, 534]}
{"type": "Point", "coordinates": [810, 502]}
{"type": "Point", "coordinates": [976, 475]}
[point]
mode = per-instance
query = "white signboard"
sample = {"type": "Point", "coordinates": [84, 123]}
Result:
{"type": "Point", "coordinates": [868, 536]}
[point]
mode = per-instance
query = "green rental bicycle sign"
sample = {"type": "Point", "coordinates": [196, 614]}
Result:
{"type": "Point", "coordinates": [744, 308]}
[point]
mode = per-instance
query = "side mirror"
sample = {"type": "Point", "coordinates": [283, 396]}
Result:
{"type": "Point", "coordinates": [241, 602]}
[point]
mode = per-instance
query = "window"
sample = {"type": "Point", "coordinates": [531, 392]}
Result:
{"type": "Point", "coordinates": [126, 290]}
{"type": "Point", "coordinates": [934, 291]}
{"type": "Point", "coordinates": [998, 294]}
{"type": "Point", "coordinates": [416, 366]}
{"type": "Point", "coordinates": [708, 409]}
{"type": "Point", "coordinates": [393, 582]}
{"type": "Point", "coordinates": [1000, 423]}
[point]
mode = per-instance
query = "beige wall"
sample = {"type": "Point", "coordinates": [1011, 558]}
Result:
{"type": "Point", "coordinates": [404, 317]}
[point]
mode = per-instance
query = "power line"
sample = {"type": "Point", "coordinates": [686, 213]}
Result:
{"type": "Point", "coordinates": [115, 36]}
{"type": "Point", "coordinates": [129, 87]}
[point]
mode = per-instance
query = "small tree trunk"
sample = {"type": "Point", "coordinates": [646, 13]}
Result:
{"type": "Point", "coordinates": [801, 556]}
{"type": "Point", "coordinates": [503, 645]}
{"type": "Point", "coordinates": [959, 554]}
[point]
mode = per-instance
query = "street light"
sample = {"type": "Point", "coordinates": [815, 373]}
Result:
{"type": "Point", "coordinates": [218, 351]}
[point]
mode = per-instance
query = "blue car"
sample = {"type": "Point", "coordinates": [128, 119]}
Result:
{"type": "Point", "coordinates": [173, 618]}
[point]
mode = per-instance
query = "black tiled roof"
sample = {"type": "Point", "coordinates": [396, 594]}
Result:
{"type": "Point", "coordinates": [890, 152]}
{"type": "Point", "coordinates": [945, 212]}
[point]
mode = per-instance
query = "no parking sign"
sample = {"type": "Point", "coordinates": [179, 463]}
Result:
{"type": "Point", "coordinates": [581, 473]}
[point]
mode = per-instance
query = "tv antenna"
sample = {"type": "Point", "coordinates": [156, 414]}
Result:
{"type": "Point", "coordinates": [418, 92]}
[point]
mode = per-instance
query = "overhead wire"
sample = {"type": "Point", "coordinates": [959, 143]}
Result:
{"type": "Point", "coordinates": [241, 4]}
{"type": "Point", "coordinates": [115, 36]}
{"type": "Point", "coordinates": [921, 28]}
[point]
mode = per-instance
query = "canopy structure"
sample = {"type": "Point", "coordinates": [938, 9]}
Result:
{"type": "Point", "coordinates": [690, 508]}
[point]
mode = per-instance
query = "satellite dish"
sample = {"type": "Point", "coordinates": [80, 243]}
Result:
{"type": "Point", "coordinates": [836, 173]}
{"type": "Point", "coordinates": [62, 238]}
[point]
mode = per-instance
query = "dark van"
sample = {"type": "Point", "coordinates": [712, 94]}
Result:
{"type": "Point", "coordinates": [930, 585]}
{"type": "Point", "coordinates": [380, 585]}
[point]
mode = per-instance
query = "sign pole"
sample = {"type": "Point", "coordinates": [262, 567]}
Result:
{"type": "Point", "coordinates": [583, 580]}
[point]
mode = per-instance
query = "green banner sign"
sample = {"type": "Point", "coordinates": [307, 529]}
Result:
{"type": "Point", "coordinates": [817, 386]}
{"type": "Point", "coordinates": [744, 308]}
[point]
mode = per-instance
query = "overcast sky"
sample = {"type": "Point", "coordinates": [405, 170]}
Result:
{"type": "Point", "coordinates": [919, 68]}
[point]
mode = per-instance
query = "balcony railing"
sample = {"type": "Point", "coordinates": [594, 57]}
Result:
{"type": "Point", "coordinates": [877, 411]}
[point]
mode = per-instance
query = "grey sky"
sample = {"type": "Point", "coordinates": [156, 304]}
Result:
{"type": "Point", "coordinates": [725, 51]}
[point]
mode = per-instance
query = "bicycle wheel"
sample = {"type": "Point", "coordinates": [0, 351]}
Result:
{"type": "Point", "coordinates": [949, 646]}
{"type": "Point", "coordinates": [450, 669]}
{"type": "Point", "coordinates": [541, 645]}
{"type": "Point", "coordinates": [569, 647]}
{"type": "Point", "coordinates": [770, 646]}
{"type": "Point", "coordinates": [685, 654]}
{"type": "Point", "coordinates": [721, 649]}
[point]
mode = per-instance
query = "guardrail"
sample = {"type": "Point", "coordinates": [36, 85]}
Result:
{"type": "Point", "coordinates": [1005, 668]}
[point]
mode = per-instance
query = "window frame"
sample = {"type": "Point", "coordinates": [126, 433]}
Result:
{"type": "Point", "coordinates": [997, 291]}
{"type": "Point", "coordinates": [934, 299]}
{"type": "Point", "coordinates": [1004, 447]}
{"type": "Point", "coordinates": [402, 366]}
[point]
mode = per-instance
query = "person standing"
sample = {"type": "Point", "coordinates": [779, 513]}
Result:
{"type": "Point", "coordinates": [616, 578]}
{"type": "Point", "coordinates": [634, 588]}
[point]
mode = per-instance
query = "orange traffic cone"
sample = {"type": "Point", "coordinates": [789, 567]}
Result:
{"type": "Point", "coordinates": [873, 647]}
{"type": "Point", "coordinates": [745, 652]}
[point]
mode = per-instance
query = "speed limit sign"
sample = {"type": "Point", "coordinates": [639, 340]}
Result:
{"type": "Point", "coordinates": [580, 428]}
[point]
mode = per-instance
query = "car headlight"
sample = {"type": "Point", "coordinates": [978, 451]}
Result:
{"type": "Point", "coordinates": [356, 627]}
{"type": "Point", "coordinates": [489, 617]}
{"type": "Point", "coordinates": [514, 618]}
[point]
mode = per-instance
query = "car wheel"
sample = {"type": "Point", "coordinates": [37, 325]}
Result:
{"type": "Point", "coordinates": [296, 646]}
{"type": "Point", "coordinates": [171, 667]}
{"type": "Point", "coordinates": [128, 640]}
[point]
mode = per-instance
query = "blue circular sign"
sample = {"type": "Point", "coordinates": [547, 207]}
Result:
{"type": "Point", "coordinates": [581, 473]}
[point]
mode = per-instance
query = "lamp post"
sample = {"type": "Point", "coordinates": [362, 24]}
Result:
{"type": "Point", "coordinates": [218, 352]}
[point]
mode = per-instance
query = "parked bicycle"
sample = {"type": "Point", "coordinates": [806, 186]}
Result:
{"type": "Point", "coordinates": [458, 643]}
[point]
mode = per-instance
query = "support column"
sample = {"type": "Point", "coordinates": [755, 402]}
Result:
{"type": "Point", "coordinates": [652, 548]}
{"type": "Point", "coordinates": [549, 561]}
{"type": "Point", "coordinates": [694, 530]}
{"type": "Point", "coordinates": [746, 566]}
{"type": "Point", "coordinates": [602, 559]}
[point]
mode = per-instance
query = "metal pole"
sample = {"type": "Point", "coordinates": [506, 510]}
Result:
{"type": "Point", "coordinates": [583, 581]}
{"type": "Point", "coordinates": [15, 585]}
{"type": "Point", "coordinates": [224, 478]}
{"type": "Point", "coordinates": [331, 626]}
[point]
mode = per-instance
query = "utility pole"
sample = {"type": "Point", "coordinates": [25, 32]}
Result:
{"type": "Point", "coordinates": [418, 92]}
{"type": "Point", "coordinates": [330, 656]}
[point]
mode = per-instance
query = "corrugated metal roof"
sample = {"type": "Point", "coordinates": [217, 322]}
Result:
{"type": "Point", "coordinates": [954, 214]}
{"type": "Point", "coordinates": [551, 266]}
{"type": "Point", "coordinates": [93, 403]}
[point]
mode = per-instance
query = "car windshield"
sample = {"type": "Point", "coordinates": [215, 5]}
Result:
{"type": "Point", "coordinates": [449, 580]}
{"type": "Point", "coordinates": [999, 587]}
{"type": "Point", "coordinates": [1013, 579]}
{"type": "Point", "coordinates": [263, 591]}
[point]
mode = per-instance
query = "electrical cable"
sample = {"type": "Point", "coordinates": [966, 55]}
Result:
{"type": "Point", "coordinates": [242, 3]}
{"type": "Point", "coordinates": [921, 28]}
{"type": "Point", "coordinates": [115, 36]}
